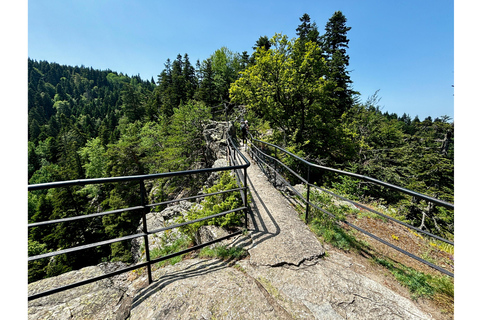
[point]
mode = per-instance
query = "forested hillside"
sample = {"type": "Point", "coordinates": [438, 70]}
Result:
{"type": "Point", "coordinates": [86, 123]}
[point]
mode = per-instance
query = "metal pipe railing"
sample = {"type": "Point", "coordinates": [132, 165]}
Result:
{"type": "Point", "coordinates": [145, 208]}
{"type": "Point", "coordinates": [362, 177]}
{"type": "Point", "coordinates": [258, 154]}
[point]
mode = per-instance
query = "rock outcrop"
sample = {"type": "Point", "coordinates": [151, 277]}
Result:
{"type": "Point", "coordinates": [158, 220]}
{"type": "Point", "coordinates": [106, 299]}
{"type": "Point", "coordinates": [286, 276]}
{"type": "Point", "coordinates": [215, 135]}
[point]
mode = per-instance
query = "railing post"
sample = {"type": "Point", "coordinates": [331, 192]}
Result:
{"type": "Point", "coordinates": [234, 155]}
{"type": "Point", "coordinates": [245, 196]}
{"type": "Point", "coordinates": [143, 194]}
{"type": "Point", "coordinates": [308, 195]}
{"type": "Point", "coordinates": [275, 169]}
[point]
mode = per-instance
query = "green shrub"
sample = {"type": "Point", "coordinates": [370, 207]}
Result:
{"type": "Point", "coordinates": [349, 187]}
{"type": "Point", "coordinates": [334, 234]}
{"type": "Point", "coordinates": [216, 204]}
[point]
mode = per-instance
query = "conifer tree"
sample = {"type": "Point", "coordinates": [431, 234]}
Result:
{"type": "Point", "coordinates": [262, 42]}
{"type": "Point", "coordinates": [307, 31]}
{"type": "Point", "coordinates": [207, 91]}
{"type": "Point", "coordinates": [189, 78]}
{"type": "Point", "coordinates": [335, 43]}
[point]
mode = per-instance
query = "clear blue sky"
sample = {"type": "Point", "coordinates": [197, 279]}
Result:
{"type": "Point", "coordinates": [402, 48]}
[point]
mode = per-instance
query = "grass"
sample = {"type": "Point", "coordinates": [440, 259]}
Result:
{"type": "Point", "coordinates": [334, 234]}
{"type": "Point", "coordinates": [419, 284]}
{"type": "Point", "coordinates": [222, 252]}
{"type": "Point", "coordinates": [177, 245]}
{"type": "Point", "coordinates": [329, 230]}
{"type": "Point", "coordinates": [422, 285]}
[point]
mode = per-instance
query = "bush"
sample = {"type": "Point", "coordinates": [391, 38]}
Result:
{"type": "Point", "coordinates": [215, 204]}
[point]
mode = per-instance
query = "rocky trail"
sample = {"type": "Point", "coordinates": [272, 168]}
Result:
{"type": "Point", "coordinates": [288, 274]}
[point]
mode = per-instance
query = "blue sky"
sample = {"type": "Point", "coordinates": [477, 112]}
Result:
{"type": "Point", "coordinates": [405, 49]}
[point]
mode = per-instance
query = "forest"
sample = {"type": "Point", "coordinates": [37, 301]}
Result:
{"type": "Point", "coordinates": [86, 123]}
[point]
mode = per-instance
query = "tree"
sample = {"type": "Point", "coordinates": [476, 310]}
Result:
{"type": "Point", "coordinates": [178, 81]}
{"type": "Point", "coordinates": [207, 91]}
{"type": "Point", "coordinates": [93, 155]}
{"type": "Point", "coordinates": [287, 88]}
{"type": "Point", "coordinates": [33, 159]}
{"type": "Point", "coordinates": [189, 78]}
{"type": "Point", "coordinates": [307, 31]}
{"type": "Point", "coordinates": [185, 144]}
{"type": "Point", "coordinates": [133, 102]}
{"type": "Point", "coordinates": [165, 89]}
{"type": "Point", "coordinates": [225, 66]}
{"type": "Point", "coordinates": [334, 44]}
{"type": "Point", "coordinates": [262, 42]}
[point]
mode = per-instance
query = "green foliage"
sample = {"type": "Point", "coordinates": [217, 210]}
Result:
{"type": "Point", "coordinates": [287, 87]}
{"type": "Point", "coordinates": [93, 154]}
{"type": "Point", "coordinates": [86, 123]}
{"type": "Point", "coordinates": [133, 102]}
{"type": "Point", "coordinates": [178, 245]}
{"type": "Point", "coordinates": [225, 67]}
{"type": "Point", "coordinates": [185, 144]}
{"type": "Point", "coordinates": [224, 253]}
{"type": "Point", "coordinates": [335, 43]}
{"type": "Point", "coordinates": [349, 187]}
{"type": "Point", "coordinates": [327, 227]}
{"type": "Point", "coordinates": [307, 31]}
{"type": "Point", "coordinates": [57, 266]}
{"type": "Point", "coordinates": [415, 155]}
{"type": "Point", "coordinates": [333, 234]}
{"type": "Point", "coordinates": [216, 204]}
{"type": "Point", "coordinates": [36, 269]}
{"type": "Point", "coordinates": [418, 283]}
{"type": "Point", "coordinates": [121, 252]}
{"type": "Point", "coordinates": [331, 231]}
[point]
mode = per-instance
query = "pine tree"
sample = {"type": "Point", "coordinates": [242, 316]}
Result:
{"type": "Point", "coordinates": [133, 106]}
{"type": "Point", "coordinates": [189, 78]}
{"type": "Point", "coordinates": [307, 31]}
{"type": "Point", "coordinates": [262, 42]}
{"type": "Point", "coordinates": [207, 91]}
{"type": "Point", "coordinates": [335, 43]}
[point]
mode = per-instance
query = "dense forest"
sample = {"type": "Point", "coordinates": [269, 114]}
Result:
{"type": "Point", "coordinates": [87, 123]}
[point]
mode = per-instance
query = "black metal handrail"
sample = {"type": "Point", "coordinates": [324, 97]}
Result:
{"type": "Point", "coordinates": [255, 152]}
{"type": "Point", "coordinates": [145, 208]}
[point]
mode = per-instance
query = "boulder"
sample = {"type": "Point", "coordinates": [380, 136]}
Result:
{"type": "Point", "coordinates": [215, 134]}
{"type": "Point", "coordinates": [215, 176]}
{"type": "Point", "coordinates": [157, 220]}
{"type": "Point", "coordinates": [210, 233]}
{"type": "Point", "coordinates": [343, 203]}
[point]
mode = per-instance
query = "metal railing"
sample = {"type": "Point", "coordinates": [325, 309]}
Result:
{"type": "Point", "coordinates": [240, 173]}
{"type": "Point", "coordinates": [259, 156]}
